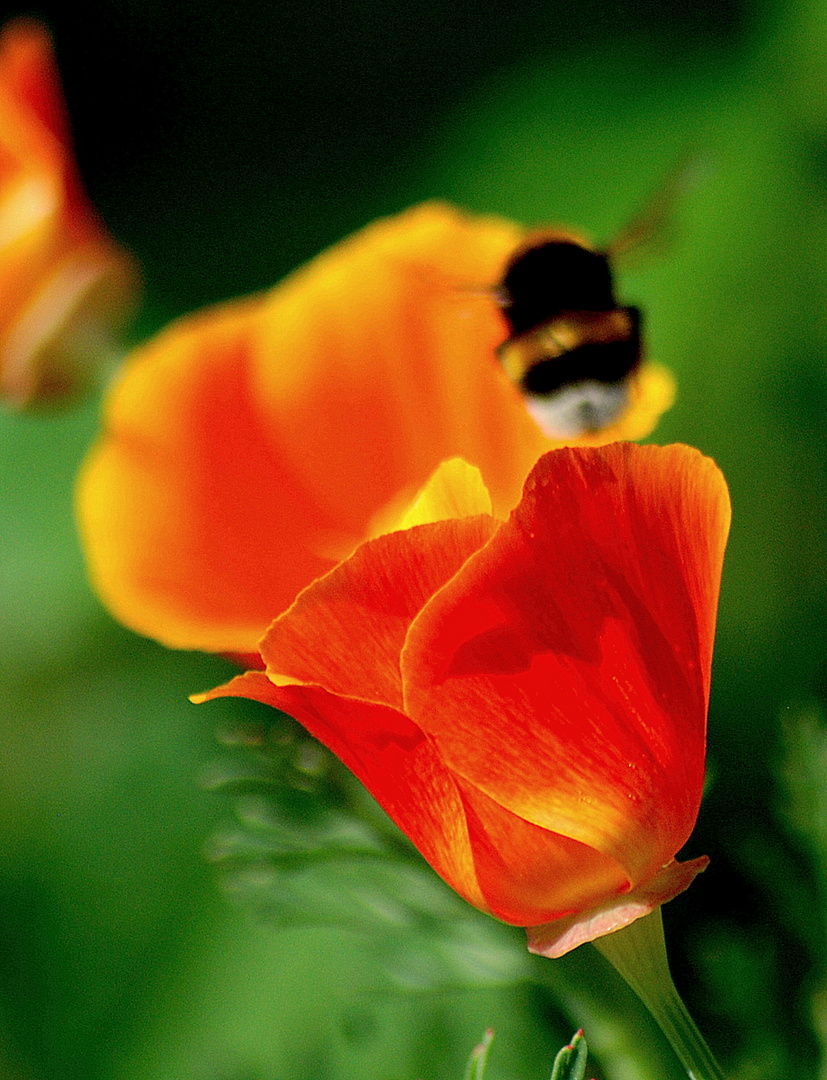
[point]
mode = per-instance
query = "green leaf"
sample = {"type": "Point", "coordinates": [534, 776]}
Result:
{"type": "Point", "coordinates": [309, 847]}
{"type": "Point", "coordinates": [479, 1058]}
{"type": "Point", "coordinates": [570, 1063]}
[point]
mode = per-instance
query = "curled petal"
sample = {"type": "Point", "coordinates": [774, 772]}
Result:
{"type": "Point", "coordinates": [564, 670]}
{"type": "Point", "coordinates": [527, 699]}
{"type": "Point", "coordinates": [346, 631]}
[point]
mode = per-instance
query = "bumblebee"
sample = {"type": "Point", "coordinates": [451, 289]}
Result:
{"type": "Point", "coordinates": [571, 349]}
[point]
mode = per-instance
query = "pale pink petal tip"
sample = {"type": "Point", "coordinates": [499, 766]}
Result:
{"type": "Point", "coordinates": [561, 936]}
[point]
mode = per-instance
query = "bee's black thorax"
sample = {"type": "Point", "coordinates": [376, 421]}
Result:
{"type": "Point", "coordinates": [565, 324]}
{"type": "Point", "coordinates": [554, 276]}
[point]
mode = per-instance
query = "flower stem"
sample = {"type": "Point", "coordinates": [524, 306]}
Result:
{"type": "Point", "coordinates": [638, 952]}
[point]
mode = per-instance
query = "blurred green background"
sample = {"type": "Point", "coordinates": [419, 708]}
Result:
{"type": "Point", "coordinates": [224, 144]}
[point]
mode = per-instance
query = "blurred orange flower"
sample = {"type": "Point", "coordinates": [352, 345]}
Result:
{"type": "Point", "coordinates": [526, 698]}
{"type": "Point", "coordinates": [249, 448]}
{"type": "Point", "coordinates": [64, 285]}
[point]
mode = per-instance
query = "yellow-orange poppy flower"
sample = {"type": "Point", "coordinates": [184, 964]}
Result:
{"type": "Point", "coordinates": [64, 285]}
{"type": "Point", "coordinates": [526, 698]}
{"type": "Point", "coordinates": [248, 448]}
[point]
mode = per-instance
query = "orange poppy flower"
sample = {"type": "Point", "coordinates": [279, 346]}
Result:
{"type": "Point", "coordinates": [526, 698]}
{"type": "Point", "coordinates": [64, 285]}
{"type": "Point", "coordinates": [247, 449]}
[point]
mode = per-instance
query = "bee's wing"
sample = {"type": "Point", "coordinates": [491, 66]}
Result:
{"type": "Point", "coordinates": [653, 227]}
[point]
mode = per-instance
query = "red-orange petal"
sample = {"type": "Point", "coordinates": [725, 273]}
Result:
{"type": "Point", "coordinates": [346, 631]}
{"type": "Point", "coordinates": [564, 670]}
{"type": "Point", "coordinates": [358, 376]}
{"type": "Point", "coordinates": [195, 530]}
{"type": "Point", "coordinates": [529, 875]}
{"type": "Point", "coordinates": [64, 285]}
{"type": "Point", "coordinates": [392, 758]}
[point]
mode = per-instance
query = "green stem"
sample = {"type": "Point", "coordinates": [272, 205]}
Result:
{"type": "Point", "coordinates": [638, 952]}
